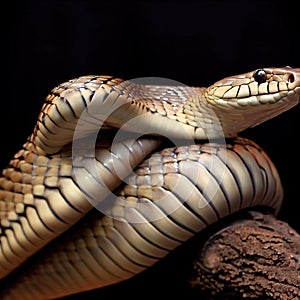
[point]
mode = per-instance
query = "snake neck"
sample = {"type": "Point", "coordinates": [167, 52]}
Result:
{"type": "Point", "coordinates": [233, 117]}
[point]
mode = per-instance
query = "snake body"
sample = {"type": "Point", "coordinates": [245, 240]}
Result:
{"type": "Point", "coordinates": [55, 243]}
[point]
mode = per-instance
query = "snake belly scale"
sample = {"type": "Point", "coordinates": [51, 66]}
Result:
{"type": "Point", "coordinates": [53, 242]}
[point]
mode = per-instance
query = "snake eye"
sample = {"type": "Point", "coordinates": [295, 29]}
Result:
{"type": "Point", "coordinates": [260, 76]}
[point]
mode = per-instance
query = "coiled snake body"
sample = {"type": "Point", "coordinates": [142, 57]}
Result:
{"type": "Point", "coordinates": [75, 161]}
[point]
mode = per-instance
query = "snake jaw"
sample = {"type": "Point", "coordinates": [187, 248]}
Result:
{"type": "Point", "coordinates": [246, 85]}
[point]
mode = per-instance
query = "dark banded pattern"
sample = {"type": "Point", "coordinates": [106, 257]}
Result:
{"type": "Point", "coordinates": [40, 198]}
{"type": "Point", "coordinates": [103, 251]}
{"type": "Point", "coordinates": [74, 162]}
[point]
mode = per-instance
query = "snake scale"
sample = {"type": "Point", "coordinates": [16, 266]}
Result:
{"type": "Point", "coordinates": [83, 206]}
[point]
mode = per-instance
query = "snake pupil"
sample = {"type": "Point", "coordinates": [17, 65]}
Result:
{"type": "Point", "coordinates": [260, 76]}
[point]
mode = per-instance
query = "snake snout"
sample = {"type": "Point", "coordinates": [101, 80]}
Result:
{"type": "Point", "coordinates": [297, 90]}
{"type": "Point", "coordinates": [293, 77]}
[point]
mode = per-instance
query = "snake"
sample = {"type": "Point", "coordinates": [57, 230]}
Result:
{"type": "Point", "coordinates": [117, 174]}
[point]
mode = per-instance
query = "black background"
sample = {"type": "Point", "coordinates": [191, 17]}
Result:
{"type": "Point", "coordinates": [194, 42]}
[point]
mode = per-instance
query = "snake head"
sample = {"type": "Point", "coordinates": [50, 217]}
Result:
{"type": "Point", "coordinates": [249, 99]}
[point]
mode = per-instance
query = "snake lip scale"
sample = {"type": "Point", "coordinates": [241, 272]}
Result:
{"type": "Point", "coordinates": [97, 193]}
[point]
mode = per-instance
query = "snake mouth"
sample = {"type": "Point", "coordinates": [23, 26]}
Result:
{"type": "Point", "coordinates": [297, 91]}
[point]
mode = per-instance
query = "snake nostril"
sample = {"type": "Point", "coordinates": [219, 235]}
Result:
{"type": "Point", "coordinates": [291, 78]}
